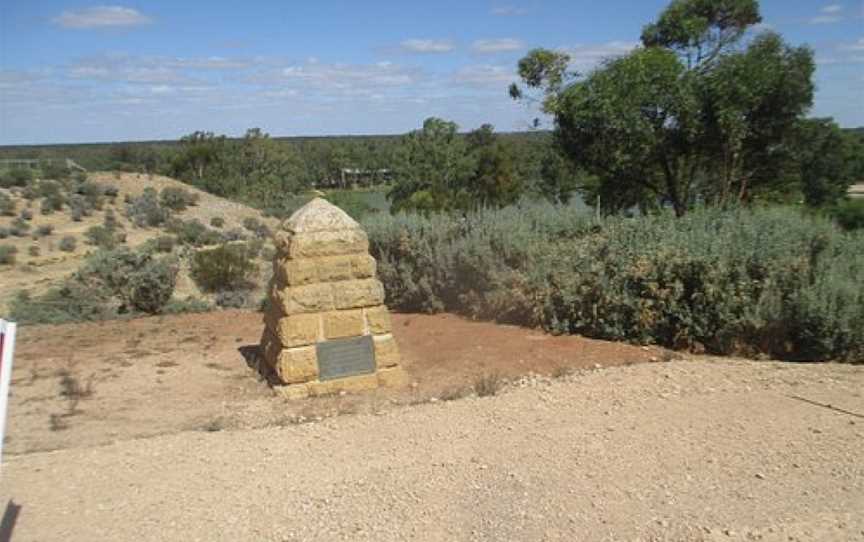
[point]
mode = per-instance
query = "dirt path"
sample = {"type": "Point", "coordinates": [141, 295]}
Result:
{"type": "Point", "coordinates": [689, 450]}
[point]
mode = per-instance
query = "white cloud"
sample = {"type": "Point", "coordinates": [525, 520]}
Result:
{"type": "Point", "coordinates": [508, 11]}
{"type": "Point", "coordinates": [485, 76]}
{"type": "Point", "coordinates": [825, 19]}
{"type": "Point", "coordinates": [427, 46]}
{"type": "Point", "coordinates": [832, 8]}
{"type": "Point", "coordinates": [585, 57]}
{"type": "Point", "coordinates": [497, 45]}
{"type": "Point", "coordinates": [102, 17]}
{"type": "Point", "coordinates": [855, 46]}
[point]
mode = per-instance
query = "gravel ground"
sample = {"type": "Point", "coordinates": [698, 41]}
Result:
{"type": "Point", "coordinates": [703, 449]}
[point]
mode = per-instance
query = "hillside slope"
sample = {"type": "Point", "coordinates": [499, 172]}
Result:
{"type": "Point", "coordinates": [37, 273]}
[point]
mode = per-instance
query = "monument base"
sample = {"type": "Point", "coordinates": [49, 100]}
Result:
{"type": "Point", "coordinates": [394, 377]}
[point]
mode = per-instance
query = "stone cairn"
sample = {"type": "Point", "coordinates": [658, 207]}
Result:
{"type": "Point", "coordinates": [324, 297]}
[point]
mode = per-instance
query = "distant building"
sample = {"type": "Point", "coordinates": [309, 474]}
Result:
{"type": "Point", "coordinates": [355, 178]}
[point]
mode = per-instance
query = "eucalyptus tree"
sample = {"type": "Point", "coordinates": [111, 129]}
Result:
{"type": "Point", "coordinates": [698, 112]}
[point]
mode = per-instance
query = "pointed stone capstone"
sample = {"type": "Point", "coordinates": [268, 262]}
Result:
{"type": "Point", "coordinates": [326, 315]}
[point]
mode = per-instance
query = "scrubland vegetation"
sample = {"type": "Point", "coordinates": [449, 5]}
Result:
{"type": "Point", "coordinates": [682, 198]}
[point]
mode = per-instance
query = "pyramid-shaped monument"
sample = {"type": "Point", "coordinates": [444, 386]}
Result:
{"type": "Point", "coordinates": [326, 327]}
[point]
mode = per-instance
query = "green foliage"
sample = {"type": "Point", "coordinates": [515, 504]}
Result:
{"type": "Point", "coordinates": [7, 254]}
{"type": "Point", "coordinates": [186, 306]}
{"type": "Point", "coordinates": [26, 214]}
{"type": "Point", "coordinates": [15, 177]}
{"type": "Point", "coordinates": [821, 152]}
{"type": "Point", "coordinates": [102, 237]}
{"type": "Point", "coordinates": [145, 211]}
{"type": "Point", "coordinates": [217, 222]}
{"type": "Point", "coordinates": [44, 230]}
{"type": "Point", "coordinates": [177, 199]}
{"type": "Point", "coordinates": [68, 244]}
{"type": "Point", "coordinates": [227, 267]}
{"type": "Point", "coordinates": [738, 281]}
{"type": "Point", "coordinates": [4, 233]}
{"type": "Point", "coordinates": [849, 214]}
{"type": "Point", "coordinates": [193, 232]}
{"type": "Point", "coordinates": [109, 284]}
{"type": "Point", "coordinates": [688, 118]}
{"type": "Point", "coordinates": [7, 206]}
{"type": "Point", "coordinates": [20, 227]}
{"type": "Point", "coordinates": [359, 203]}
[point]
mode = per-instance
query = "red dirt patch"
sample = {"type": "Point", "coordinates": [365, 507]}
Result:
{"type": "Point", "coordinates": [173, 373]}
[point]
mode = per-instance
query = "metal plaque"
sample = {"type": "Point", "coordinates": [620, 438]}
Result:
{"type": "Point", "coordinates": [340, 358]}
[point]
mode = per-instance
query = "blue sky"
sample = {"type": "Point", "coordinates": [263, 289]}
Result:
{"type": "Point", "coordinates": [73, 71]}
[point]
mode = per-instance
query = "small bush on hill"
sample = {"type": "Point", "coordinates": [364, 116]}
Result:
{"type": "Point", "coordinates": [109, 284]}
{"type": "Point", "coordinates": [7, 254]}
{"type": "Point", "coordinates": [7, 206]}
{"type": "Point", "coordinates": [45, 230]}
{"type": "Point", "coordinates": [102, 237]}
{"type": "Point", "coordinates": [26, 214]}
{"type": "Point", "coordinates": [67, 244]}
{"type": "Point", "coordinates": [227, 267]}
{"type": "Point", "coordinates": [177, 199]}
{"type": "Point", "coordinates": [194, 233]}
{"type": "Point", "coordinates": [217, 221]}
{"type": "Point", "coordinates": [254, 225]}
{"type": "Point", "coordinates": [15, 177]}
{"type": "Point", "coordinates": [145, 211]}
{"type": "Point", "coordinates": [188, 305]}
{"type": "Point", "coordinates": [110, 219]}
{"type": "Point", "coordinates": [33, 250]}
{"type": "Point", "coordinates": [4, 233]}
{"type": "Point", "coordinates": [20, 227]}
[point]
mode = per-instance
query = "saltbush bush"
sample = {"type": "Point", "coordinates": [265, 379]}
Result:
{"type": "Point", "coordinates": [193, 232]}
{"type": "Point", "coordinates": [102, 237]}
{"type": "Point", "coordinates": [176, 198]}
{"type": "Point", "coordinates": [741, 281]}
{"type": "Point", "coordinates": [217, 221]}
{"type": "Point", "coordinates": [111, 283]}
{"type": "Point", "coordinates": [225, 268]}
{"type": "Point", "coordinates": [67, 244]}
{"type": "Point", "coordinates": [850, 214]}
{"type": "Point", "coordinates": [145, 211]}
{"type": "Point", "coordinates": [7, 206]}
{"type": "Point", "coordinates": [7, 254]}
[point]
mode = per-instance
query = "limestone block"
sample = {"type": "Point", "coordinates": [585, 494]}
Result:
{"type": "Point", "coordinates": [339, 324]}
{"type": "Point", "coordinates": [386, 351]}
{"type": "Point", "coordinates": [295, 272]}
{"type": "Point", "coordinates": [350, 384]}
{"type": "Point", "coordinates": [295, 329]}
{"type": "Point", "coordinates": [319, 215]}
{"type": "Point", "coordinates": [363, 266]}
{"type": "Point", "coordinates": [358, 293]}
{"type": "Point", "coordinates": [334, 268]}
{"type": "Point", "coordinates": [292, 392]}
{"type": "Point", "coordinates": [378, 319]}
{"type": "Point", "coordinates": [297, 365]}
{"type": "Point", "coordinates": [309, 298]}
{"type": "Point", "coordinates": [392, 378]}
{"type": "Point", "coordinates": [326, 243]}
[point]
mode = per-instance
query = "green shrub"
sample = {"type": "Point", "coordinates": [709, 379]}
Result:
{"type": "Point", "coordinates": [766, 280]}
{"type": "Point", "coordinates": [137, 279]}
{"type": "Point", "coordinates": [26, 214]}
{"type": "Point", "coordinates": [52, 203]}
{"type": "Point", "coordinates": [7, 254]}
{"type": "Point", "coordinates": [67, 244]}
{"type": "Point", "coordinates": [255, 226]}
{"type": "Point", "coordinates": [217, 221]}
{"type": "Point", "coordinates": [194, 233]}
{"type": "Point", "coordinates": [7, 206]}
{"type": "Point", "coordinates": [92, 192]}
{"type": "Point", "coordinates": [4, 233]}
{"type": "Point", "coordinates": [227, 267]}
{"type": "Point", "coordinates": [20, 227]}
{"type": "Point", "coordinates": [188, 305]}
{"type": "Point", "coordinates": [163, 243]}
{"type": "Point", "coordinates": [110, 219]}
{"type": "Point", "coordinates": [850, 214]}
{"type": "Point", "coordinates": [145, 211]}
{"type": "Point", "coordinates": [103, 237]}
{"type": "Point", "coordinates": [177, 199]}
{"type": "Point", "coordinates": [45, 230]}
{"type": "Point", "coordinates": [15, 177]}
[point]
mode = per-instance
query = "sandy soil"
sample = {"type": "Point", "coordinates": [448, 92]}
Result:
{"type": "Point", "coordinates": [88, 384]}
{"type": "Point", "coordinates": [703, 449]}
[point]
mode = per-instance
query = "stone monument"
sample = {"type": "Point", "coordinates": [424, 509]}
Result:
{"type": "Point", "coordinates": [327, 328]}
